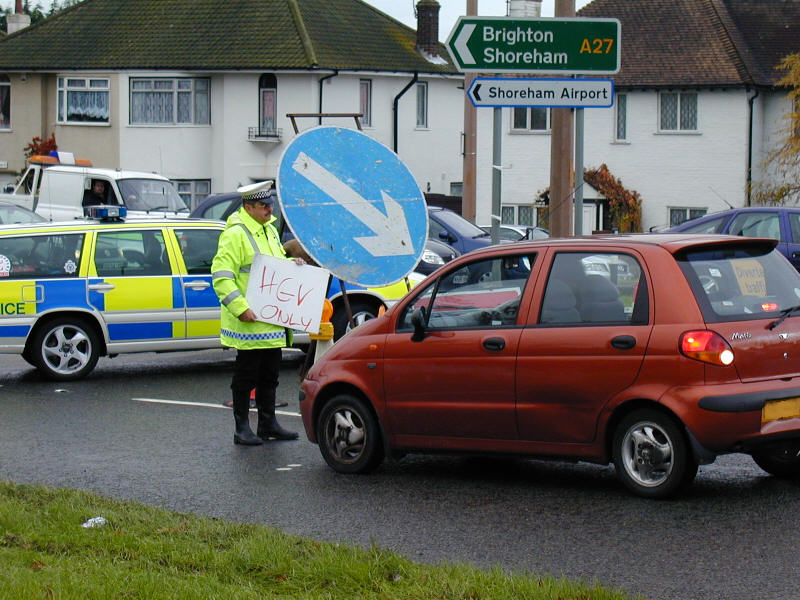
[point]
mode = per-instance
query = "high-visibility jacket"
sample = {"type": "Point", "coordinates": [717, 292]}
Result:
{"type": "Point", "coordinates": [238, 244]}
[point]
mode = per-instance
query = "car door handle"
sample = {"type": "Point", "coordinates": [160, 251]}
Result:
{"type": "Point", "coordinates": [101, 287]}
{"type": "Point", "coordinates": [196, 284]}
{"type": "Point", "coordinates": [494, 344]}
{"type": "Point", "coordinates": [623, 342]}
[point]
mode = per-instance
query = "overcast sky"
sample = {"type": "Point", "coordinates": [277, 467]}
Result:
{"type": "Point", "coordinates": [403, 10]}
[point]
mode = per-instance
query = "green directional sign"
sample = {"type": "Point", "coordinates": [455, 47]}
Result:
{"type": "Point", "coordinates": [524, 45]}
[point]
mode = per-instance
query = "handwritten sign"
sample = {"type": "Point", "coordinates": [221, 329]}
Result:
{"type": "Point", "coordinates": [750, 276]}
{"type": "Point", "coordinates": [286, 294]}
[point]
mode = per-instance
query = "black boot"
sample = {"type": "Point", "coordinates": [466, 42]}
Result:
{"type": "Point", "coordinates": [268, 426]}
{"type": "Point", "coordinates": [241, 415]}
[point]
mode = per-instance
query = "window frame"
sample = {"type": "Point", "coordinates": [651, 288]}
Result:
{"type": "Point", "coordinates": [621, 118]}
{"type": "Point", "coordinates": [5, 102]}
{"type": "Point", "coordinates": [66, 86]}
{"type": "Point", "coordinates": [365, 101]}
{"type": "Point", "coordinates": [529, 119]}
{"type": "Point", "coordinates": [194, 196]}
{"type": "Point", "coordinates": [174, 106]}
{"type": "Point", "coordinates": [422, 105]}
{"type": "Point", "coordinates": [681, 98]}
{"type": "Point", "coordinates": [687, 211]}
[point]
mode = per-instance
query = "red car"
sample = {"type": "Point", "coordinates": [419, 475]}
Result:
{"type": "Point", "coordinates": [654, 352]}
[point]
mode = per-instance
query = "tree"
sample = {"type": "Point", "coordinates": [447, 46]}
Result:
{"type": "Point", "coordinates": [40, 146]}
{"type": "Point", "coordinates": [782, 185]}
{"type": "Point", "coordinates": [625, 206]}
{"type": "Point", "coordinates": [35, 10]}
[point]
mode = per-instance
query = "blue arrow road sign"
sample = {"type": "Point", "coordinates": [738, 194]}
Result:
{"type": "Point", "coordinates": [353, 205]}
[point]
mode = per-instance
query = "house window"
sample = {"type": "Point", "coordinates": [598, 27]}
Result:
{"type": "Point", "coordinates": [621, 118]}
{"type": "Point", "coordinates": [507, 214]}
{"type": "Point", "coordinates": [365, 101]}
{"type": "Point", "coordinates": [193, 191]}
{"type": "Point", "coordinates": [267, 105]}
{"type": "Point", "coordinates": [5, 102]}
{"type": "Point", "coordinates": [456, 188]}
{"type": "Point", "coordinates": [422, 105]}
{"type": "Point", "coordinates": [83, 100]}
{"type": "Point", "coordinates": [681, 215]}
{"type": "Point", "coordinates": [677, 111]}
{"type": "Point", "coordinates": [536, 118]}
{"type": "Point", "coordinates": [175, 101]}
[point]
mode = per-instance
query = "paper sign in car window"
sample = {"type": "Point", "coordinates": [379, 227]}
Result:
{"type": "Point", "coordinates": [750, 277]}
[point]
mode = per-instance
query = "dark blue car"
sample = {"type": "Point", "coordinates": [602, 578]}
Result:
{"type": "Point", "coordinates": [779, 223]}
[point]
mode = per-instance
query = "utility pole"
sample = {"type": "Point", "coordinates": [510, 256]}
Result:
{"type": "Point", "coordinates": [561, 144]}
{"type": "Point", "coordinates": [468, 191]}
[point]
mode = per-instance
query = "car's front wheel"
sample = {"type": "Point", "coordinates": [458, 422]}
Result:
{"type": "Point", "coordinates": [349, 436]}
{"type": "Point", "coordinates": [651, 454]}
{"type": "Point", "coordinates": [782, 460]}
{"type": "Point", "coordinates": [65, 349]}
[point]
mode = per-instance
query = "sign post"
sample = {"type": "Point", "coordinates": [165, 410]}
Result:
{"type": "Point", "coordinates": [509, 45]}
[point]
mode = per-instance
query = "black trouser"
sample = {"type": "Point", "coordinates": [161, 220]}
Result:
{"type": "Point", "coordinates": [257, 369]}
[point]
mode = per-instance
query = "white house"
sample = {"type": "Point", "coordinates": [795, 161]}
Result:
{"type": "Point", "coordinates": [199, 90]}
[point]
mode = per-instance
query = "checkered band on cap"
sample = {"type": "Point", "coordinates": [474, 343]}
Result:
{"type": "Point", "coordinates": [256, 191]}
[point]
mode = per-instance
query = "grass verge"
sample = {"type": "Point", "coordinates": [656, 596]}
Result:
{"type": "Point", "coordinates": [144, 552]}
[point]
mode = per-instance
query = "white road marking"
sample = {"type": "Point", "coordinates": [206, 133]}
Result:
{"type": "Point", "coordinates": [206, 405]}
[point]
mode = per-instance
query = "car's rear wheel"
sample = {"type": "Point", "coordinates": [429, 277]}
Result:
{"type": "Point", "coordinates": [349, 436]}
{"type": "Point", "coordinates": [651, 454]}
{"type": "Point", "coordinates": [65, 348]}
{"type": "Point", "coordinates": [363, 310]}
{"type": "Point", "coordinates": [782, 460]}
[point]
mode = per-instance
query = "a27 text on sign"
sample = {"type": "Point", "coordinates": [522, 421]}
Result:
{"type": "Point", "coordinates": [511, 45]}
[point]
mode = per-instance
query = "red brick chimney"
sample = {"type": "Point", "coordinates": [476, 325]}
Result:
{"type": "Point", "coordinates": [19, 9]}
{"type": "Point", "coordinates": [428, 26]}
{"type": "Point", "coordinates": [17, 20]}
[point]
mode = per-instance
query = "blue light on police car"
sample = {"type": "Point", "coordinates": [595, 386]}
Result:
{"type": "Point", "coordinates": [106, 212]}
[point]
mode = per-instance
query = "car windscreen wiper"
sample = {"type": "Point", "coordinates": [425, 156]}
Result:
{"type": "Point", "coordinates": [785, 314]}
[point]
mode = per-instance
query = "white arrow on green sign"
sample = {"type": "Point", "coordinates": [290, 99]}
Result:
{"type": "Point", "coordinates": [512, 45]}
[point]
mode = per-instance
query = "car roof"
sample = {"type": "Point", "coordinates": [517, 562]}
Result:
{"type": "Point", "coordinates": [109, 173]}
{"type": "Point", "coordinates": [671, 242]}
{"type": "Point", "coordinates": [84, 224]}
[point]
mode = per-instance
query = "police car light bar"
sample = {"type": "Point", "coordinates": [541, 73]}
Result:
{"type": "Point", "coordinates": [104, 212]}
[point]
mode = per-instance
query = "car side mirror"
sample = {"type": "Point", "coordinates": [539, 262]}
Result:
{"type": "Point", "coordinates": [445, 236]}
{"type": "Point", "coordinates": [418, 321]}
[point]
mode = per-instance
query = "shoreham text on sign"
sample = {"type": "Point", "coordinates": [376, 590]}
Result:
{"type": "Point", "coordinates": [509, 45]}
{"type": "Point", "coordinates": [522, 91]}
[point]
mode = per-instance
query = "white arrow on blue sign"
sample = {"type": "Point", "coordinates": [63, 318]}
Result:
{"type": "Point", "coordinates": [353, 205]}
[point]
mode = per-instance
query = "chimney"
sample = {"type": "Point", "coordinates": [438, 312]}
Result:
{"type": "Point", "coordinates": [525, 8]}
{"type": "Point", "coordinates": [428, 27]}
{"type": "Point", "coordinates": [18, 20]}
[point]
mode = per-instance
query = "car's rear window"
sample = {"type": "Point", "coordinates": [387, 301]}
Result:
{"type": "Point", "coordinates": [738, 283]}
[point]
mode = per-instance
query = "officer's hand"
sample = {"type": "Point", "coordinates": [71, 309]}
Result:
{"type": "Point", "coordinates": [298, 261]}
{"type": "Point", "coordinates": [248, 316]}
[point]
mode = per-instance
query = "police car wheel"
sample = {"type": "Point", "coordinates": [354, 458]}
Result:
{"type": "Point", "coordinates": [362, 311]}
{"type": "Point", "coordinates": [65, 349]}
{"type": "Point", "coordinates": [349, 436]}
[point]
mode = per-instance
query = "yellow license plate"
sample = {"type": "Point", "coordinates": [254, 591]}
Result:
{"type": "Point", "coordinates": [774, 410]}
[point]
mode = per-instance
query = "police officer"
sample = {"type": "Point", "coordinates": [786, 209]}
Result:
{"type": "Point", "coordinates": [249, 231]}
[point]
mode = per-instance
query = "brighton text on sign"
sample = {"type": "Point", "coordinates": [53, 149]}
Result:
{"type": "Point", "coordinates": [510, 45]}
{"type": "Point", "coordinates": [286, 294]}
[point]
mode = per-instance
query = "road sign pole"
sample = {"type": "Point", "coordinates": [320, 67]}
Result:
{"type": "Point", "coordinates": [497, 172]}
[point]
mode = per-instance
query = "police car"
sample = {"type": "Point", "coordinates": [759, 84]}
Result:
{"type": "Point", "coordinates": [73, 291]}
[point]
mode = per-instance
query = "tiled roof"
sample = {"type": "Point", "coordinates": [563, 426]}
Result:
{"type": "Point", "coordinates": [713, 43]}
{"type": "Point", "coordinates": [218, 35]}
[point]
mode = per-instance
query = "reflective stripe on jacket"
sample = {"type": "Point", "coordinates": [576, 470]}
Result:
{"type": "Point", "coordinates": [238, 244]}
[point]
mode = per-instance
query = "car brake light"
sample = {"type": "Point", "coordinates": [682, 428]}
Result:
{"type": "Point", "coordinates": [706, 346]}
{"type": "Point", "coordinates": [769, 306]}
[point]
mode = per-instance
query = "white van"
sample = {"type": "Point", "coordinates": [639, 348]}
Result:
{"type": "Point", "coordinates": [60, 188]}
